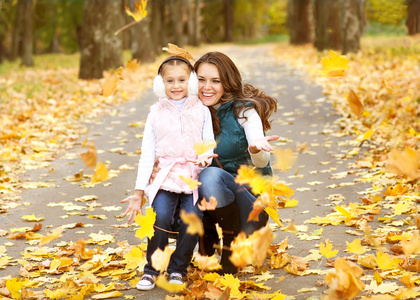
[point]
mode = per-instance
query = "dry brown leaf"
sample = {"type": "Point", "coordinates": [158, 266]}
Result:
{"type": "Point", "coordinates": [355, 104]}
{"type": "Point", "coordinates": [109, 85]}
{"type": "Point", "coordinates": [89, 157]}
{"type": "Point", "coordinates": [175, 50]}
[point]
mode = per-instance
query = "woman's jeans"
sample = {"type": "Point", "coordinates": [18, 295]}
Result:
{"type": "Point", "coordinates": [218, 183]}
{"type": "Point", "coordinates": [167, 205]}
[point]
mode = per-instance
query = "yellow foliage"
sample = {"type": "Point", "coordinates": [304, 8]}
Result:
{"type": "Point", "coordinates": [146, 224]}
{"type": "Point", "coordinates": [334, 65]}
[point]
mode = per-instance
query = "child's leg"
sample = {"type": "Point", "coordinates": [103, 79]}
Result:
{"type": "Point", "coordinates": [164, 205]}
{"type": "Point", "coordinates": [186, 243]}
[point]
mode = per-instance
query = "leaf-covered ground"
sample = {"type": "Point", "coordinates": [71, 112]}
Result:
{"type": "Point", "coordinates": [349, 229]}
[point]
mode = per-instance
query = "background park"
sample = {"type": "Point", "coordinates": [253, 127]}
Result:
{"type": "Point", "coordinates": [75, 90]}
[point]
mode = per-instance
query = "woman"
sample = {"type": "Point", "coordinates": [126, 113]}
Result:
{"type": "Point", "coordinates": [240, 115]}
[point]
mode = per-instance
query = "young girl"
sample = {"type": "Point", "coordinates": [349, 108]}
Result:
{"type": "Point", "coordinates": [174, 125]}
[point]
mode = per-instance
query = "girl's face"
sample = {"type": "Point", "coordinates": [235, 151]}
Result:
{"type": "Point", "coordinates": [175, 79]}
{"type": "Point", "coordinates": [210, 89]}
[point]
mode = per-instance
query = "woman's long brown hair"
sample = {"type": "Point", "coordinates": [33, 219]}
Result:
{"type": "Point", "coordinates": [236, 89]}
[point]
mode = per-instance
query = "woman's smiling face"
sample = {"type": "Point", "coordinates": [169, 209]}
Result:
{"type": "Point", "coordinates": [210, 88]}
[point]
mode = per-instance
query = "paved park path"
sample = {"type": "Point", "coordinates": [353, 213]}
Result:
{"type": "Point", "coordinates": [304, 120]}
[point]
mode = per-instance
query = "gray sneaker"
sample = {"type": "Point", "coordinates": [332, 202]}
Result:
{"type": "Point", "coordinates": [146, 283]}
{"type": "Point", "coordinates": [176, 278]}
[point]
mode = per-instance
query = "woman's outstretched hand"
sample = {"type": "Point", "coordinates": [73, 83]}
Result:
{"type": "Point", "coordinates": [135, 202]}
{"type": "Point", "coordinates": [262, 144]}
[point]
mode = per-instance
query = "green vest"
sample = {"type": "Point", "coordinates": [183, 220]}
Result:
{"type": "Point", "coordinates": [232, 146]}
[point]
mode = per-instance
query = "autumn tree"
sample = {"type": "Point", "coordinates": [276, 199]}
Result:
{"type": "Point", "coordinates": [299, 21]}
{"type": "Point", "coordinates": [159, 19]}
{"type": "Point", "coordinates": [27, 26]}
{"type": "Point", "coordinates": [327, 16]}
{"type": "Point", "coordinates": [101, 49]}
{"type": "Point", "coordinates": [413, 18]}
{"type": "Point", "coordinates": [194, 22]}
{"type": "Point", "coordinates": [142, 47]}
{"type": "Point", "coordinates": [353, 24]}
{"type": "Point", "coordinates": [228, 13]}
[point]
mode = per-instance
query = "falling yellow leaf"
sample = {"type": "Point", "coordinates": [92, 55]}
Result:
{"type": "Point", "coordinates": [175, 50]}
{"type": "Point", "coordinates": [146, 224]}
{"type": "Point", "coordinates": [101, 173]}
{"type": "Point", "coordinates": [326, 250]}
{"type": "Point", "coordinates": [109, 85]}
{"type": "Point", "coordinates": [274, 215]}
{"type": "Point", "coordinates": [355, 104]}
{"type": "Point", "coordinates": [207, 263]}
{"type": "Point", "coordinates": [54, 235]}
{"type": "Point", "coordinates": [204, 205]}
{"type": "Point", "coordinates": [404, 163]}
{"type": "Point", "coordinates": [284, 159]}
{"type": "Point", "coordinates": [334, 65]}
{"type": "Point", "coordinates": [195, 226]}
{"type": "Point", "coordinates": [203, 147]}
{"type": "Point", "coordinates": [163, 283]}
{"type": "Point", "coordinates": [160, 259]}
{"type": "Point", "coordinates": [89, 157]}
{"type": "Point", "coordinates": [140, 11]}
{"type": "Point", "coordinates": [356, 247]}
{"type": "Point", "coordinates": [344, 282]}
{"type": "Point", "coordinates": [291, 203]}
{"type": "Point", "coordinates": [192, 184]}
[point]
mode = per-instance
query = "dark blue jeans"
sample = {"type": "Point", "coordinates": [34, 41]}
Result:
{"type": "Point", "coordinates": [220, 184]}
{"type": "Point", "coordinates": [167, 205]}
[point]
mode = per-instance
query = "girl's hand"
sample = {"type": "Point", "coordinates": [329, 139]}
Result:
{"type": "Point", "coordinates": [262, 144]}
{"type": "Point", "coordinates": [204, 161]}
{"type": "Point", "coordinates": [154, 172]}
{"type": "Point", "coordinates": [135, 202]}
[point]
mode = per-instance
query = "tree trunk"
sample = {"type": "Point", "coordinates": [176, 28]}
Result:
{"type": "Point", "coordinates": [228, 16]}
{"type": "Point", "coordinates": [142, 47]}
{"type": "Point", "coordinates": [17, 32]}
{"type": "Point", "coordinates": [100, 48]}
{"type": "Point", "coordinates": [194, 23]}
{"type": "Point", "coordinates": [353, 25]}
{"type": "Point", "coordinates": [327, 16]}
{"type": "Point", "coordinates": [27, 13]}
{"type": "Point", "coordinates": [299, 21]}
{"type": "Point", "coordinates": [158, 25]}
{"type": "Point", "coordinates": [176, 15]}
{"type": "Point", "coordinates": [413, 17]}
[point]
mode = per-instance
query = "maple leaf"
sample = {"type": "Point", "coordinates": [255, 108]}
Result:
{"type": "Point", "coordinates": [146, 224]}
{"type": "Point", "coordinates": [135, 258]}
{"type": "Point", "coordinates": [355, 104]}
{"type": "Point", "coordinates": [385, 262]}
{"type": "Point", "coordinates": [356, 247]}
{"type": "Point", "coordinates": [207, 263]}
{"type": "Point", "coordinates": [80, 250]}
{"type": "Point", "coordinates": [334, 65]}
{"type": "Point", "coordinates": [54, 235]}
{"type": "Point", "coordinates": [204, 205]}
{"type": "Point", "coordinates": [412, 246]}
{"type": "Point", "coordinates": [175, 50]}
{"type": "Point", "coordinates": [203, 147]}
{"type": "Point", "coordinates": [195, 226]}
{"type": "Point", "coordinates": [160, 259]}
{"type": "Point", "coordinates": [233, 283]}
{"type": "Point", "coordinates": [192, 183]}
{"type": "Point", "coordinates": [32, 218]}
{"type": "Point", "coordinates": [326, 250]}
{"type": "Point", "coordinates": [140, 11]}
{"type": "Point", "coordinates": [344, 282]}
{"type": "Point", "coordinates": [274, 215]}
{"type": "Point", "coordinates": [109, 85]}
{"type": "Point", "coordinates": [108, 295]}
{"type": "Point", "coordinates": [15, 286]}
{"type": "Point", "coordinates": [398, 189]}
{"type": "Point", "coordinates": [284, 159]}
{"type": "Point", "coordinates": [101, 173]}
{"type": "Point", "coordinates": [89, 157]}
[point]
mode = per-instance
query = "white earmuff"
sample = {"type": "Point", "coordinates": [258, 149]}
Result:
{"type": "Point", "coordinates": [159, 87]}
{"type": "Point", "coordinates": [193, 84]}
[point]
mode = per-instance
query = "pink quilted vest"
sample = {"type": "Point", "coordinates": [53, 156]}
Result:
{"type": "Point", "coordinates": [176, 134]}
